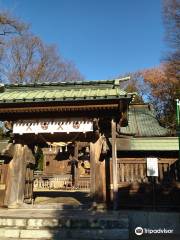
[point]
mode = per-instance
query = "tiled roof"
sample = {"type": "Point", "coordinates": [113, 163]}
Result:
{"type": "Point", "coordinates": [142, 122]}
{"type": "Point", "coordinates": [68, 91]}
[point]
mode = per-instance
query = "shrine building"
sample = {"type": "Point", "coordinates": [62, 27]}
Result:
{"type": "Point", "coordinates": [91, 136]}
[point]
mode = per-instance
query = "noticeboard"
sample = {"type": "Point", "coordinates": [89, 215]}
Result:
{"type": "Point", "coordinates": [152, 167]}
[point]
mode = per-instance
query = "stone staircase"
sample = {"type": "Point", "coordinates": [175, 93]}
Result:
{"type": "Point", "coordinates": [63, 224]}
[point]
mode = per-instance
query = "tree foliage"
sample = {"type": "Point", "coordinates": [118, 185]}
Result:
{"type": "Point", "coordinates": [171, 17]}
{"type": "Point", "coordinates": [39, 158]}
{"type": "Point", "coordinates": [161, 85]}
{"type": "Point", "coordinates": [164, 81]}
{"type": "Point", "coordinates": [28, 60]}
{"type": "Point", "coordinates": [25, 58]}
{"type": "Point", "coordinates": [162, 92]}
{"type": "Point", "coordinates": [10, 25]}
{"type": "Point", "coordinates": [155, 85]}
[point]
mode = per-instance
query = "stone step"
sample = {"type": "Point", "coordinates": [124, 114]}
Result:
{"type": "Point", "coordinates": [57, 206]}
{"type": "Point", "coordinates": [75, 224]}
{"type": "Point", "coordinates": [86, 234]}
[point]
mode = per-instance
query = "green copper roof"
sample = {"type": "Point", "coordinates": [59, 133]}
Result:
{"type": "Point", "coordinates": [142, 122]}
{"type": "Point", "coordinates": [62, 91]}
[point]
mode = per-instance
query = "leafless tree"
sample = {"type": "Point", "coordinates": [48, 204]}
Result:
{"type": "Point", "coordinates": [27, 59]}
{"type": "Point", "coordinates": [171, 17]}
{"type": "Point", "coordinates": [10, 25]}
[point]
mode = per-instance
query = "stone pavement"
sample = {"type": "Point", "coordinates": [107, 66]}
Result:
{"type": "Point", "coordinates": [53, 223]}
{"type": "Point", "coordinates": [62, 224]}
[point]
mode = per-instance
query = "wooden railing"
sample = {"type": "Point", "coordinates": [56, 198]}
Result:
{"type": "Point", "coordinates": [60, 182]}
{"type": "Point", "coordinates": [83, 183]}
{"type": "Point", "coordinates": [132, 170]}
{"type": "Point", "coordinates": [136, 189]}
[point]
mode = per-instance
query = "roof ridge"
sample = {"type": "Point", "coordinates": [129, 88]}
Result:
{"type": "Point", "coordinates": [114, 82]}
{"type": "Point", "coordinates": [92, 82]}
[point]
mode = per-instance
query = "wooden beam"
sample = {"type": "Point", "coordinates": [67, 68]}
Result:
{"type": "Point", "coordinates": [114, 163]}
{"type": "Point", "coordinates": [58, 108]}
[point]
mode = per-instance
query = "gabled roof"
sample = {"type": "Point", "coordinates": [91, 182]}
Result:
{"type": "Point", "coordinates": [61, 91]}
{"type": "Point", "coordinates": [142, 122]}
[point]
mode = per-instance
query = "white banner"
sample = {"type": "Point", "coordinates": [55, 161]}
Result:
{"type": "Point", "coordinates": [55, 126]}
{"type": "Point", "coordinates": [152, 167]}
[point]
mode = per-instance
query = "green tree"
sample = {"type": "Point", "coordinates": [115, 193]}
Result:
{"type": "Point", "coordinates": [39, 159]}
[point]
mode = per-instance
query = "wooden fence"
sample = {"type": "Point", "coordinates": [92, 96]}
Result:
{"type": "Point", "coordinates": [135, 189]}
{"type": "Point", "coordinates": [135, 170]}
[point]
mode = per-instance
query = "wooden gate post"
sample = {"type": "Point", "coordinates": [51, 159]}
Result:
{"type": "Point", "coordinates": [17, 175]}
{"type": "Point", "coordinates": [76, 173]}
{"type": "Point", "coordinates": [114, 164]}
{"type": "Point", "coordinates": [98, 188]}
{"type": "Point", "coordinates": [92, 171]}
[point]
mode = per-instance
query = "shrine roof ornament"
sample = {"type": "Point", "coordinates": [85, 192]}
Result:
{"type": "Point", "coordinates": [63, 91]}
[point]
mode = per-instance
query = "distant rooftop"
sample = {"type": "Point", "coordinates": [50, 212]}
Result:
{"type": "Point", "coordinates": [142, 122]}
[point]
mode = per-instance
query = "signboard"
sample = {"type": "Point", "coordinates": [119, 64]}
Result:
{"type": "Point", "coordinates": [55, 126]}
{"type": "Point", "coordinates": [152, 167]}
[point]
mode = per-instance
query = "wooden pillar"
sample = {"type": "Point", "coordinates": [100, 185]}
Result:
{"type": "Point", "coordinates": [76, 172]}
{"type": "Point", "coordinates": [93, 169]}
{"type": "Point", "coordinates": [102, 176]}
{"type": "Point", "coordinates": [114, 164]}
{"type": "Point", "coordinates": [17, 175]}
{"type": "Point", "coordinates": [98, 188]}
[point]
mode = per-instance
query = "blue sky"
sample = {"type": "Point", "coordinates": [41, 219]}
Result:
{"type": "Point", "coordinates": [104, 38]}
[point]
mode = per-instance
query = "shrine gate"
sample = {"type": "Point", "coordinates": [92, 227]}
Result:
{"type": "Point", "coordinates": [72, 123]}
